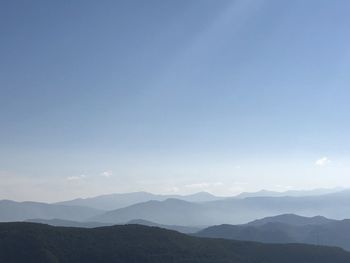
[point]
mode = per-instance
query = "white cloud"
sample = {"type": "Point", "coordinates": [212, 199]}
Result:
{"type": "Point", "coordinates": [107, 174]}
{"type": "Point", "coordinates": [76, 177]}
{"type": "Point", "coordinates": [323, 161]}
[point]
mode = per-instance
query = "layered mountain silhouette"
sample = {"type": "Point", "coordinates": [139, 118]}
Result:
{"type": "Point", "coordinates": [36, 243]}
{"type": "Point", "coordinates": [178, 212]}
{"type": "Point", "coordinates": [121, 200]}
{"type": "Point", "coordinates": [230, 211]}
{"type": "Point", "coordinates": [181, 229]}
{"type": "Point", "coordinates": [295, 193]}
{"type": "Point", "coordinates": [286, 229]}
{"type": "Point", "coordinates": [115, 201]}
{"type": "Point", "coordinates": [168, 212]}
{"type": "Point", "coordinates": [292, 219]}
{"type": "Point", "coordinates": [67, 223]}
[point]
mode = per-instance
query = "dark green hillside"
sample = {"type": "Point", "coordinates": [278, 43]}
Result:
{"type": "Point", "coordinates": [30, 242]}
{"type": "Point", "coordinates": [319, 231]}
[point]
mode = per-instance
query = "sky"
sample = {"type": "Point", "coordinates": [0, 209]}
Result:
{"type": "Point", "coordinates": [172, 97]}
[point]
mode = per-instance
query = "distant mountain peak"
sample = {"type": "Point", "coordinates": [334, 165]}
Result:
{"type": "Point", "coordinates": [120, 200]}
{"type": "Point", "coordinates": [292, 219]}
{"type": "Point", "coordinates": [291, 193]}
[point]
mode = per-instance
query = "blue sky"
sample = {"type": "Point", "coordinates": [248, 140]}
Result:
{"type": "Point", "coordinates": [172, 96]}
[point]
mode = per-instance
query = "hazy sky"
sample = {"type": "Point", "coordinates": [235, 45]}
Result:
{"type": "Point", "coordinates": [173, 96]}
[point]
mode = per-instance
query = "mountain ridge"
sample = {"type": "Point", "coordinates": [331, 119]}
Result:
{"type": "Point", "coordinates": [121, 200]}
{"type": "Point", "coordinates": [36, 243]}
{"type": "Point", "coordinates": [313, 230]}
{"type": "Point", "coordinates": [231, 211]}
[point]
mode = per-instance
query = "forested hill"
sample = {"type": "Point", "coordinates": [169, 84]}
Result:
{"type": "Point", "coordinates": [31, 242]}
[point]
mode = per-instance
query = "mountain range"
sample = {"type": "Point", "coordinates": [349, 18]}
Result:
{"type": "Point", "coordinates": [120, 200]}
{"type": "Point", "coordinates": [286, 229]}
{"type": "Point", "coordinates": [69, 223]}
{"type": "Point", "coordinates": [230, 211]}
{"type": "Point", "coordinates": [38, 243]}
{"type": "Point", "coordinates": [295, 193]}
{"type": "Point", "coordinates": [181, 229]}
{"type": "Point", "coordinates": [173, 211]}
{"type": "Point", "coordinates": [292, 219]}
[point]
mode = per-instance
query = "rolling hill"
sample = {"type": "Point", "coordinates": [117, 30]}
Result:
{"type": "Point", "coordinates": [295, 193]}
{"type": "Point", "coordinates": [168, 212]}
{"type": "Point", "coordinates": [230, 211]}
{"type": "Point", "coordinates": [181, 229]}
{"type": "Point", "coordinates": [115, 201]}
{"type": "Point", "coordinates": [292, 219]}
{"type": "Point", "coordinates": [286, 229]}
{"type": "Point", "coordinates": [37, 243]}
{"type": "Point", "coordinates": [67, 223]}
